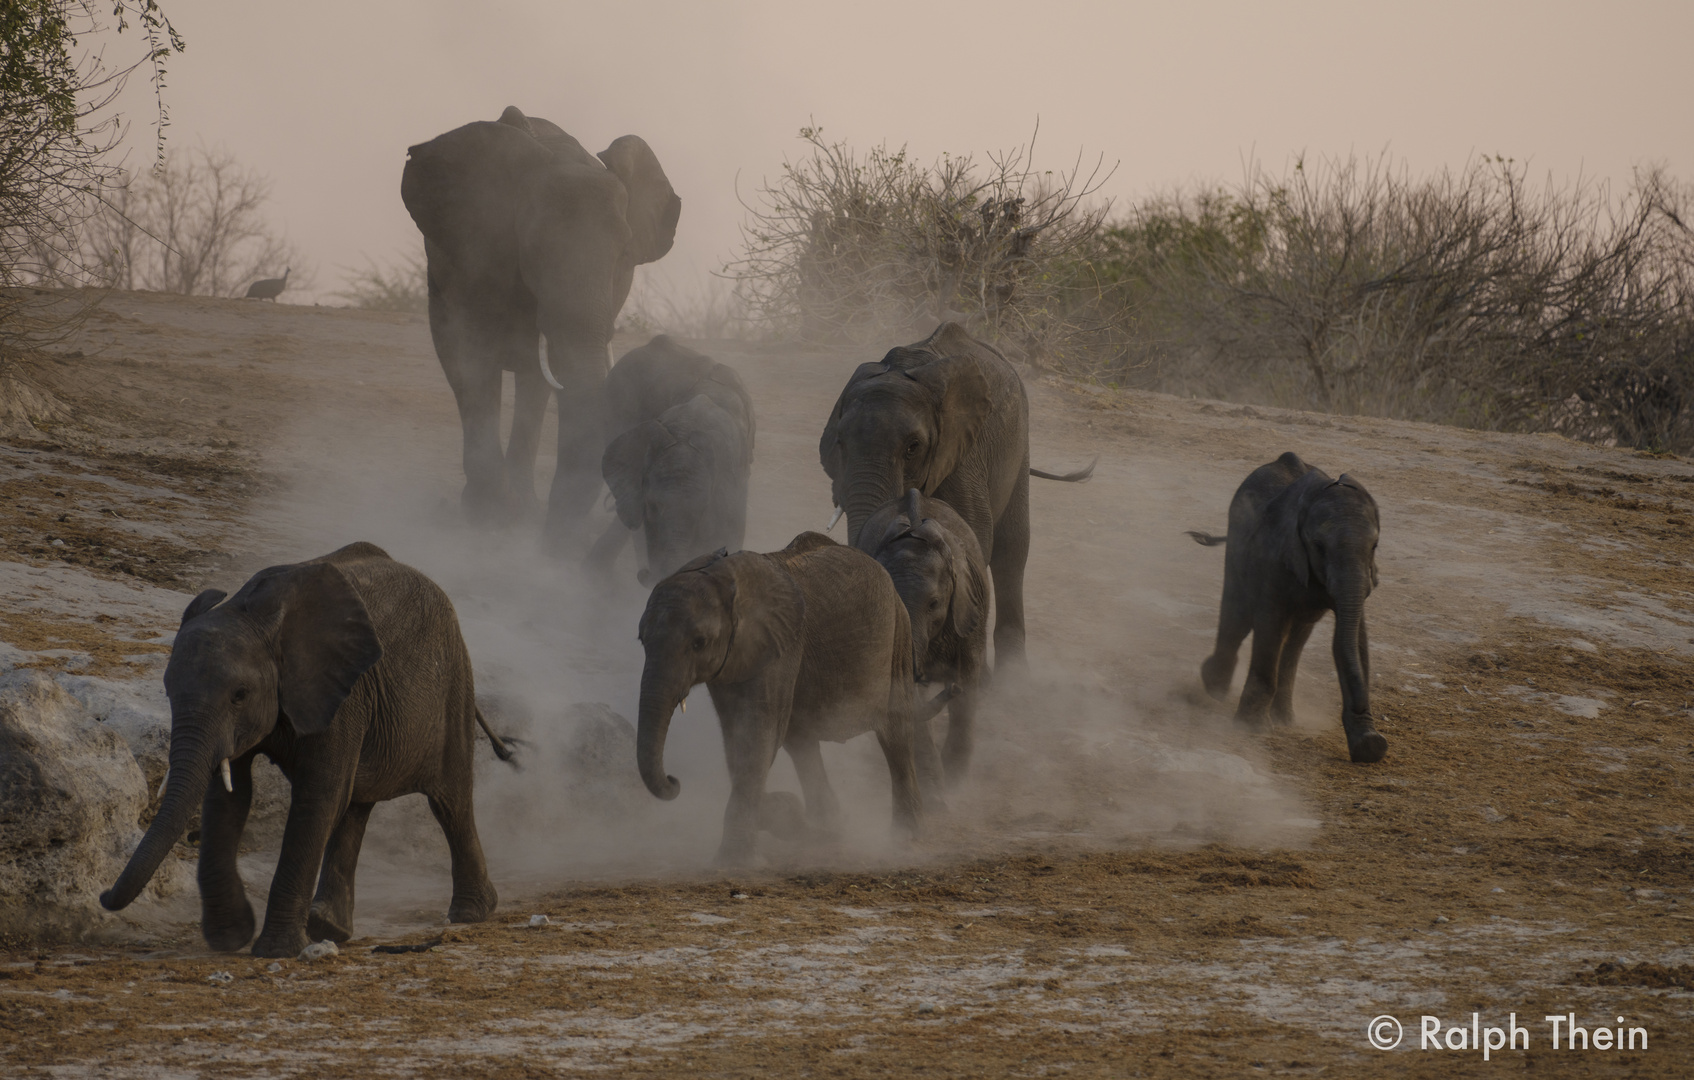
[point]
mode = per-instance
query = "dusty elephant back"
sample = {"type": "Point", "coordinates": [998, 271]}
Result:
{"type": "Point", "coordinates": [856, 636]}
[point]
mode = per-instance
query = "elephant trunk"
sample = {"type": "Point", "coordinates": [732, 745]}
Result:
{"type": "Point", "coordinates": [1352, 664]}
{"type": "Point", "coordinates": [190, 771]}
{"type": "Point", "coordinates": [654, 724]}
{"type": "Point", "coordinates": [866, 494]}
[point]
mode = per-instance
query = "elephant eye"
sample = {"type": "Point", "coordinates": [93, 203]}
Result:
{"type": "Point", "coordinates": [241, 695]}
{"type": "Point", "coordinates": [699, 643]}
{"type": "Point", "coordinates": [934, 603]}
{"type": "Point", "coordinates": [913, 447]}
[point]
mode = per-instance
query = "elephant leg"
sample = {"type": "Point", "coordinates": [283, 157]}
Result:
{"type": "Point", "coordinates": [927, 762]}
{"type": "Point", "coordinates": [529, 408]}
{"type": "Point", "coordinates": [477, 390]}
{"type": "Point", "coordinates": [1006, 566]}
{"type": "Point", "coordinates": [576, 476]}
{"type": "Point", "coordinates": [1282, 704]}
{"type": "Point", "coordinates": [1235, 622]}
{"type": "Point", "coordinates": [226, 916]}
{"type": "Point", "coordinates": [317, 806]}
{"type": "Point", "coordinates": [331, 915]}
{"type": "Point", "coordinates": [1364, 743]}
{"type": "Point", "coordinates": [749, 747]}
{"type": "Point", "coordinates": [961, 727]}
{"type": "Point", "coordinates": [823, 810]}
{"type": "Point", "coordinates": [474, 897]}
{"type": "Point", "coordinates": [896, 746]}
{"type": "Point", "coordinates": [1270, 631]}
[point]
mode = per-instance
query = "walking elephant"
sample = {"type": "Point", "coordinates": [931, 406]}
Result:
{"type": "Point", "coordinates": [679, 462]}
{"type": "Point", "coordinates": [937, 568]}
{"type": "Point", "coordinates": [948, 416]}
{"type": "Point", "coordinates": [1300, 544]}
{"type": "Point", "coordinates": [529, 237]}
{"type": "Point", "coordinates": [800, 645]}
{"type": "Point", "coordinates": [348, 672]}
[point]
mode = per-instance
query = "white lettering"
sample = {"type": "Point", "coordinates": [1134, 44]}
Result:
{"type": "Point", "coordinates": [1516, 1031]}
{"type": "Point", "coordinates": [1461, 1033]}
{"type": "Point", "coordinates": [1555, 1021]}
{"type": "Point", "coordinates": [1632, 1032]}
{"type": "Point", "coordinates": [1431, 1030]}
{"type": "Point", "coordinates": [1488, 1043]}
{"type": "Point", "coordinates": [1603, 1038]}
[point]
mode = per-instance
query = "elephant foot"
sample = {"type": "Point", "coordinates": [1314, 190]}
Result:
{"type": "Point", "coordinates": [783, 815]}
{"type": "Point", "coordinates": [734, 856]}
{"type": "Point", "coordinates": [1282, 716]}
{"type": "Point", "coordinates": [1365, 745]}
{"type": "Point", "coordinates": [229, 935]}
{"type": "Point", "coordinates": [285, 944]}
{"type": "Point", "coordinates": [324, 923]}
{"type": "Point", "coordinates": [1256, 722]}
{"type": "Point", "coordinates": [1215, 676]}
{"type": "Point", "coordinates": [474, 907]}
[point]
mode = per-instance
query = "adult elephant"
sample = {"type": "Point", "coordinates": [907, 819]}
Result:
{"type": "Point", "coordinates": [529, 236]}
{"type": "Point", "coordinates": [1300, 544]}
{"type": "Point", "coordinates": [348, 672]}
{"type": "Point", "coordinates": [948, 416]}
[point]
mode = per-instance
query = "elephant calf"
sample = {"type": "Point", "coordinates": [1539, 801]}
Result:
{"type": "Point", "coordinates": [679, 463]}
{"type": "Point", "coordinates": [348, 672]}
{"type": "Point", "coordinates": [803, 644]}
{"type": "Point", "coordinates": [937, 568]}
{"type": "Point", "coordinates": [1300, 544]}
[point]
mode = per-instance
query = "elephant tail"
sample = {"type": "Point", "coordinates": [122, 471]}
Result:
{"type": "Point", "coordinates": [1077, 477]}
{"type": "Point", "coordinates": [1207, 539]}
{"type": "Point", "coordinates": [501, 750]}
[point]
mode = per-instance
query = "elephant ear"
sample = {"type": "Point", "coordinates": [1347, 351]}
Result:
{"type": "Point", "coordinates": [653, 206]}
{"type": "Point", "coordinates": [1347, 480]}
{"type": "Point", "coordinates": [201, 604]}
{"type": "Point", "coordinates": [325, 639]}
{"type": "Point", "coordinates": [960, 395]}
{"type": "Point", "coordinates": [829, 444]}
{"type": "Point", "coordinates": [767, 612]}
{"type": "Point", "coordinates": [727, 378]}
{"type": "Point", "coordinates": [969, 605]}
{"type": "Point", "coordinates": [624, 466]}
{"type": "Point", "coordinates": [1283, 526]}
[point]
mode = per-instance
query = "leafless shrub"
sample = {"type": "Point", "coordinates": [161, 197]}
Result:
{"type": "Point", "coordinates": [194, 225]}
{"type": "Point", "coordinates": [402, 285]}
{"type": "Point", "coordinates": [872, 248]}
{"type": "Point", "coordinates": [1464, 298]}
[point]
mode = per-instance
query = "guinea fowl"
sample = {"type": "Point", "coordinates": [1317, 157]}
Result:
{"type": "Point", "coordinates": [270, 288]}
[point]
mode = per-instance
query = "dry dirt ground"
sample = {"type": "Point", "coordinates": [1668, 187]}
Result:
{"type": "Point", "coordinates": [1127, 885]}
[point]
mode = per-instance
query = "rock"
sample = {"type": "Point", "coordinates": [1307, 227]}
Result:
{"type": "Point", "coordinates": [220, 978]}
{"type": "Point", "coordinates": [71, 803]}
{"type": "Point", "coordinates": [318, 950]}
{"type": "Point", "coordinates": [599, 761]}
{"type": "Point", "coordinates": [538, 921]}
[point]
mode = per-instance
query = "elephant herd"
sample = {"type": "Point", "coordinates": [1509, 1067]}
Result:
{"type": "Point", "coordinates": [350, 673]}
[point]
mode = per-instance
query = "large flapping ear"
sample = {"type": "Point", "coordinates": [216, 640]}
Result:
{"type": "Point", "coordinates": [970, 589]}
{"type": "Point", "coordinates": [727, 378]}
{"type": "Point", "coordinates": [829, 444]}
{"type": "Point", "coordinates": [624, 467]}
{"type": "Point", "coordinates": [201, 604]}
{"type": "Point", "coordinates": [325, 639]}
{"type": "Point", "coordinates": [1283, 524]}
{"type": "Point", "coordinates": [1347, 480]}
{"type": "Point", "coordinates": [767, 611]}
{"type": "Point", "coordinates": [654, 207]}
{"type": "Point", "coordinates": [959, 394]}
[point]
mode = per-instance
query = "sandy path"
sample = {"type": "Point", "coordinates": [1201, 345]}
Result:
{"type": "Point", "coordinates": [1127, 881]}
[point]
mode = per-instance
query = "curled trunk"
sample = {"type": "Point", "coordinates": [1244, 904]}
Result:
{"type": "Point", "coordinates": [190, 770]}
{"type": "Point", "coordinates": [654, 724]}
{"type": "Point", "coordinates": [865, 496]}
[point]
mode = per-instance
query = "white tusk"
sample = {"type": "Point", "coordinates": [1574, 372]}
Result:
{"type": "Point", "coordinates": [546, 371]}
{"type": "Point", "coordinates": [163, 780]}
{"type": "Point", "coordinates": [228, 785]}
{"type": "Point", "coordinates": [836, 517]}
{"type": "Point", "coordinates": [684, 704]}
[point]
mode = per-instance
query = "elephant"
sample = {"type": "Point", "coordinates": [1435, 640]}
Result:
{"type": "Point", "coordinates": [528, 236]}
{"type": "Point", "coordinates": [678, 468]}
{"type": "Point", "coordinates": [937, 568]}
{"type": "Point", "coordinates": [795, 646]}
{"type": "Point", "coordinates": [1300, 544]}
{"type": "Point", "coordinates": [948, 416]}
{"type": "Point", "coordinates": [348, 671]}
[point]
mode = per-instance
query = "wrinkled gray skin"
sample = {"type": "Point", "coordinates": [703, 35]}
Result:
{"type": "Point", "coordinates": [800, 645]}
{"type": "Point", "coordinates": [679, 464]}
{"type": "Point", "coordinates": [949, 417]}
{"type": "Point", "coordinates": [349, 673]}
{"type": "Point", "coordinates": [937, 568]}
{"type": "Point", "coordinates": [530, 236]}
{"type": "Point", "coordinates": [1300, 545]}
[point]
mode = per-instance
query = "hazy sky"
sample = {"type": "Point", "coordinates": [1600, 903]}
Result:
{"type": "Point", "coordinates": [325, 97]}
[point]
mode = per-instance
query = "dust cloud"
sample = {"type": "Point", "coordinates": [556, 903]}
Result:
{"type": "Point", "coordinates": [1103, 743]}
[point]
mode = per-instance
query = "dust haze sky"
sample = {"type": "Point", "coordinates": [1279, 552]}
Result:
{"type": "Point", "coordinates": [325, 97]}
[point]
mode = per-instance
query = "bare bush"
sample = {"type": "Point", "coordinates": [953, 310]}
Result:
{"type": "Point", "coordinates": [710, 312]}
{"type": "Point", "coordinates": [1465, 298]}
{"type": "Point", "coordinates": [402, 285]}
{"type": "Point", "coordinates": [876, 247]}
{"type": "Point", "coordinates": [194, 225]}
